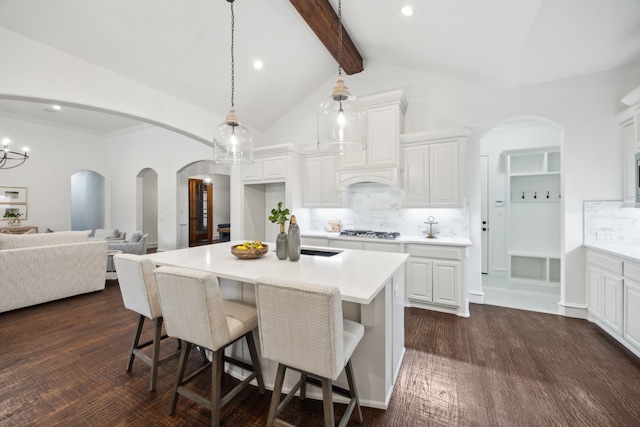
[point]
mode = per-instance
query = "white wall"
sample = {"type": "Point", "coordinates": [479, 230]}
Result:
{"type": "Point", "coordinates": [55, 154]}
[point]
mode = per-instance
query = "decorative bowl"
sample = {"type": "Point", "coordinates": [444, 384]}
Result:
{"type": "Point", "coordinates": [249, 253]}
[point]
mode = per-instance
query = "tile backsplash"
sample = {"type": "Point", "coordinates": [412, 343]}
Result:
{"type": "Point", "coordinates": [378, 207]}
{"type": "Point", "coordinates": [610, 221]}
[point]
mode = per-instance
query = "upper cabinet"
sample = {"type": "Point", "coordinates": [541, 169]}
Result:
{"type": "Point", "coordinates": [629, 120]}
{"type": "Point", "coordinates": [432, 168]}
{"type": "Point", "coordinates": [320, 186]}
{"type": "Point", "coordinates": [380, 161]}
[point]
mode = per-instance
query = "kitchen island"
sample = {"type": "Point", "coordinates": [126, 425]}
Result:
{"type": "Point", "coordinates": [372, 289]}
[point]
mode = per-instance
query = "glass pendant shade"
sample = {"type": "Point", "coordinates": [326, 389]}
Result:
{"type": "Point", "coordinates": [341, 122]}
{"type": "Point", "coordinates": [233, 143]}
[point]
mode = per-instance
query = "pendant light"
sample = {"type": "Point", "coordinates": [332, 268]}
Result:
{"type": "Point", "coordinates": [233, 144]}
{"type": "Point", "coordinates": [340, 117]}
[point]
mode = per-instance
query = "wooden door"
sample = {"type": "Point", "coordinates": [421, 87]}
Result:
{"type": "Point", "coordinates": [200, 212]}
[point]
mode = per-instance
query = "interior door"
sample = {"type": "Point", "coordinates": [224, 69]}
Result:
{"type": "Point", "coordinates": [200, 212]}
{"type": "Point", "coordinates": [484, 214]}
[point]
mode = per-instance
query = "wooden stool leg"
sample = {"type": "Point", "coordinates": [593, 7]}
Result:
{"type": "Point", "coordinates": [327, 402]}
{"type": "Point", "coordinates": [182, 366]}
{"type": "Point", "coordinates": [275, 397]}
{"type": "Point", "coordinates": [303, 387]}
{"type": "Point", "coordinates": [155, 355]}
{"type": "Point", "coordinates": [255, 361]}
{"type": "Point", "coordinates": [136, 339]}
{"type": "Point", "coordinates": [217, 364]}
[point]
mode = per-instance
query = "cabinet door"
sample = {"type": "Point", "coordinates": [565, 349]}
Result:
{"type": "Point", "coordinates": [329, 182]}
{"type": "Point", "coordinates": [612, 301]}
{"type": "Point", "coordinates": [415, 192]}
{"type": "Point", "coordinates": [253, 171]}
{"type": "Point", "coordinates": [444, 168]}
{"type": "Point", "coordinates": [594, 291]}
{"type": "Point", "coordinates": [632, 312]}
{"type": "Point", "coordinates": [274, 168]}
{"type": "Point", "coordinates": [312, 195]}
{"type": "Point", "coordinates": [383, 136]}
{"type": "Point", "coordinates": [629, 162]}
{"type": "Point", "coordinates": [446, 282]}
{"type": "Point", "coordinates": [420, 279]}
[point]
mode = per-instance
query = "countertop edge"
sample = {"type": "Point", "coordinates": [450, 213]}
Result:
{"type": "Point", "coordinates": [632, 254]}
{"type": "Point", "coordinates": [442, 241]}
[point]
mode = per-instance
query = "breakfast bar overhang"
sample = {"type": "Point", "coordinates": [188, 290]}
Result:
{"type": "Point", "coordinates": [372, 289]}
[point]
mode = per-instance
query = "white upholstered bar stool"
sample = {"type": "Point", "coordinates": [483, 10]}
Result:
{"type": "Point", "coordinates": [195, 312]}
{"type": "Point", "coordinates": [140, 294]}
{"type": "Point", "coordinates": [301, 327]}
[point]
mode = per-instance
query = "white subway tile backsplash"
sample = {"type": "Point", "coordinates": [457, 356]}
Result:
{"type": "Point", "coordinates": [378, 207]}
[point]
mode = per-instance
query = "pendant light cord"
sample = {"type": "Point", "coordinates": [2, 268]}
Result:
{"type": "Point", "coordinates": [233, 68]}
{"type": "Point", "coordinates": [340, 37]}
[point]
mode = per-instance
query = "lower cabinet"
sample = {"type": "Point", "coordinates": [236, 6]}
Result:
{"type": "Point", "coordinates": [433, 278]}
{"type": "Point", "coordinates": [613, 297]}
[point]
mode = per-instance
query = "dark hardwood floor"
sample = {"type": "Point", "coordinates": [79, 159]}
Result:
{"type": "Point", "coordinates": [63, 363]}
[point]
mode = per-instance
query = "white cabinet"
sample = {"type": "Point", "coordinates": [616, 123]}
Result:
{"type": "Point", "coordinates": [631, 307]}
{"type": "Point", "coordinates": [433, 277]}
{"type": "Point", "coordinates": [314, 241]}
{"type": "Point", "coordinates": [604, 289]}
{"type": "Point", "coordinates": [266, 169]}
{"type": "Point", "coordinates": [629, 121]}
{"type": "Point", "coordinates": [320, 185]}
{"type": "Point", "coordinates": [431, 168]}
{"type": "Point", "coordinates": [380, 161]}
{"type": "Point", "coordinates": [613, 297]}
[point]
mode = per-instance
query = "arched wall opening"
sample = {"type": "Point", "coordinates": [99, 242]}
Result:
{"type": "Point", "coordinates": [522, 214]}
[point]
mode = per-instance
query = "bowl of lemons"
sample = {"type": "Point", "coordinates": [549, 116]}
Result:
{"type": "Point", "coordinates": [250, 250]}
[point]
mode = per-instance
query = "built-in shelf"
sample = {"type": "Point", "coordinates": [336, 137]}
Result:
{"type": "Point", "coordinates": [533, 182]}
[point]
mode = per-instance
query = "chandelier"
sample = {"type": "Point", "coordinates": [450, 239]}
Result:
{"type": "Point", "coordinates": [233, 144]}
{"type": "Point", "coordinates": [11, 159]}
{"type": "Point", "coordinates": [340, 117]}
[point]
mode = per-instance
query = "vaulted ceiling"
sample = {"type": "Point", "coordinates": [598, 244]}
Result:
{"type": "Point", "coordinates": [182, 47]}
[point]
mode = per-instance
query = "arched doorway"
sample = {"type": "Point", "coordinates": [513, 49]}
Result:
{"type": "Point", "coordinates": [87, 200]}
{"type": "Point", "coordinates": [521, 212]}
{"type": "Point", "coordinates": [218, 177]}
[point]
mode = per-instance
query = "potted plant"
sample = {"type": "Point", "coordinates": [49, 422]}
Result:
{"type": "Point", "coordinates": [280, 216]}
{"type": "Point", "coordinates": [14, 216]}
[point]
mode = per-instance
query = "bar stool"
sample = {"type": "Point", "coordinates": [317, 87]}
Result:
{"type": "Point", "coordinates": [301, 327]}
{"type": "Point", "coordinates": [195, 312]}
{"type": "Point", "coordinates": [140, 294]}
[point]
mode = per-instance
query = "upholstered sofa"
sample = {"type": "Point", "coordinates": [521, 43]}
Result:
{"type": "Point", "coordinates": [110, 234]}
{"type": "Point", "coordinates": [137, 244]}
{"type": "Point", "coordinates": [38, 268]}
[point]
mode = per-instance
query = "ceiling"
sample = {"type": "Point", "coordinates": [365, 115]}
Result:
{"type": "Point", "coordinates": [182, 47]}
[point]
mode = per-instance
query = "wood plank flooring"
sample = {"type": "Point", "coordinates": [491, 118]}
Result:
{"type": "Point", "coordinates": [63, 363]}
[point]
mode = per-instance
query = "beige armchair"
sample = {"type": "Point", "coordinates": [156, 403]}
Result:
{"type": "Point", "coordinates": [136, 245]}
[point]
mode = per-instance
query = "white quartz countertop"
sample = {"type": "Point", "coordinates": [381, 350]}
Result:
{"type": "Point", "coordinates": [360, 275]}
{"type": "Point", "coordinates": [630, 252]}
{"type": "Point", "coordinates": [444, 241]}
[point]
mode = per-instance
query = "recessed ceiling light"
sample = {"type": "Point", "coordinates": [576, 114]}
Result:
{"type": "Point", "coordinates": [56, 107]}
{"type": "Point", "coordinates": [257, 64]}
{"type": "Point", "coordinates": [407, 11]}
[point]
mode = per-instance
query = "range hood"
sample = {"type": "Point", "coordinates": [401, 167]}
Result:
{"type": "Point", "coordinates": [387, 176]}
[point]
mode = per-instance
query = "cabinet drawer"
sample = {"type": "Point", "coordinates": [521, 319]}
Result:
{"type": "Point", "coordinates": [381, 247]}
{"type": "Point", "coordinates": [429, 251]}
{"type": "Point", "coordinates": [632, 270]}
{"type": "Point", "coordinates": [609, 263]}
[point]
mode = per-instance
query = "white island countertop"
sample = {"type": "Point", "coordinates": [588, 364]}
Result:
{"type": "Point", "coordinates": [444, 241]}
{"type": "Point", "coordinates": [360, 275]}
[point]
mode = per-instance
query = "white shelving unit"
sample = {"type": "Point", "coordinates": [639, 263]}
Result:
{"type": "Point", "coordinates": [534, 215]}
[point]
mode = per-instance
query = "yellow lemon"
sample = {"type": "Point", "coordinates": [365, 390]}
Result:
{"type": "Point", "coordinates": [242, 248]}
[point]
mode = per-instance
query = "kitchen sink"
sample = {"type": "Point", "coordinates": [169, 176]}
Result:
{"type": "Point", "coordinates": [318, 252]}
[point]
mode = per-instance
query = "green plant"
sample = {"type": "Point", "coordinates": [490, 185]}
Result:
{"type": "Point", "coordinates": [16, 215]}
{"type": "Point", "coordinates": [279, 215]}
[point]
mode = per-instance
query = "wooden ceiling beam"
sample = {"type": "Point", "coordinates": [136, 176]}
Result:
{"type": "Point", "coordinates": [323, 20]}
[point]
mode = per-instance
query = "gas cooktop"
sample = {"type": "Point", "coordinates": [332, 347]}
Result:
{"type": "Point", "coordinates": [370, 234]}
